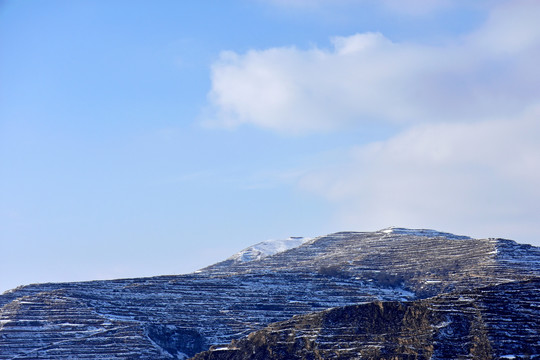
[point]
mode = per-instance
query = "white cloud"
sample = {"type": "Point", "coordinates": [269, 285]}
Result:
{"type": "Point", "coordinates": [417, 7]}
{"type": "Point", "coordinates": [366, 78]}
{"type": "Point", "coordinates": [511, 30]}
{"type": "Point", "coordinates": [412, 7]}
{"type": "Point", "coordinates": [475, 178]}
{"type": "Point", "coordinates": [468, 159]}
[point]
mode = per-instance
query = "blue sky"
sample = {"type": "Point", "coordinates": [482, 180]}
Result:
{"type": "Point", "coordinates": [141, 138]}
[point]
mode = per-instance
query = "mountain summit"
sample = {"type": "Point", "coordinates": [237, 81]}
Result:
{"type": "Point", "coordinates": [428, 294]}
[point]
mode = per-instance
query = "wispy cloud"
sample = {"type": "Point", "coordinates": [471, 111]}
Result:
{"type": "Point", "coordinates": [479, 178]}
{"type": "Point", "coordinates": [367, 77]}
{"type": "Point", "coordinates": [468, 158]}
{"type": "Point", "coordinates": [412, 7]}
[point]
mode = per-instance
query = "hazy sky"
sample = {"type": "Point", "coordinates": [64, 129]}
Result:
{"type": "Point", "coordinates": [141, 138]}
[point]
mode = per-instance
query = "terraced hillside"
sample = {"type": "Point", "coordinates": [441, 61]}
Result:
{"type": "Point", "coordinates": [496, 322]}
{"type": "Point", "coordinates": [175, 317]}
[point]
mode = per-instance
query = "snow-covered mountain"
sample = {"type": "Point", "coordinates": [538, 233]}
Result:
{"type": "Point", "coordinates": [268, 248]}
{"type": "Point", "coordinates": [174, 317]}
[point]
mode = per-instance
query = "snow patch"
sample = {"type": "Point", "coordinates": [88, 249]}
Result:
{"type": "Point", "coordinates": [268, 248]}
{"type": "Point", "coordinates": [181, 356]}
{"type": "Point", "coordinates": [442, 325]}
{"type": "Point", "coordinates": [423, 232]}
{"type": "Point", "coordinates": [4, 322]}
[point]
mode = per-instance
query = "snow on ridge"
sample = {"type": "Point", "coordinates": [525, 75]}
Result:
{"type": "Point", "coordinates": [423, 232]}
{"type": "Point", "coordinates": [268, 248]}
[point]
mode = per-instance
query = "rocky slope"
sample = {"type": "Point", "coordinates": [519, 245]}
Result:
{"type": "Point", "coordinates": [489, 323]}
{"type": "Point", "coordinates": [175, 317]}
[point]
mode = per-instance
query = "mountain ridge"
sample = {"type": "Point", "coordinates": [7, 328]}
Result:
{"type": "Point", "coordinates": [178, 316]}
